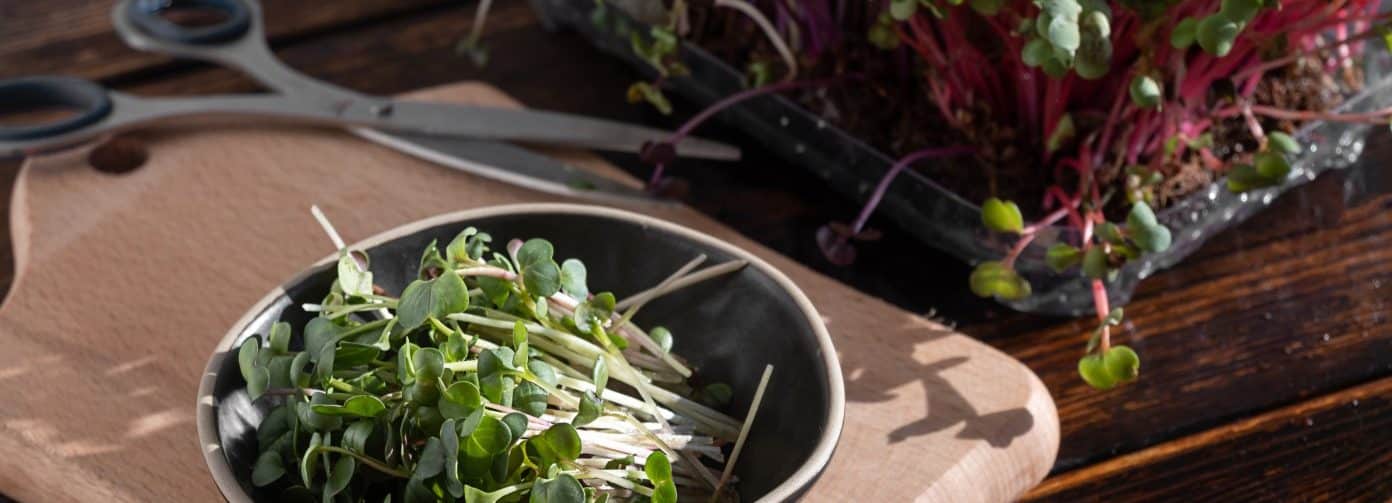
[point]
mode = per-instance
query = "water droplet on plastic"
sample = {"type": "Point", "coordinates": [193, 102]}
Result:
{"type": "Point", "coordinates": [1355, 402]}
{"type": "Point", "coordinates": [783, 121]}
{"type": "Point", "coordinates": [800, 148]}
{"type": "Point", "coordinates": [1309, 422]}
{"type": "Point", "coordinates": [1325, 337]}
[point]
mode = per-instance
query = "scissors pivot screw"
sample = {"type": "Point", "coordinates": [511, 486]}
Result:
{"type": "Point", "coordinates": [383, 110]}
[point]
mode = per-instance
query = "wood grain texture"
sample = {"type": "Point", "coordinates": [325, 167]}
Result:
{"type": "Point", "coordinates": [1332, 448]}
{"type": "Point", "coordinates": [75, 37]}
{"type": "Point", "coordinates": [168, 256]}
{"type": "Point", "coordinates": [1221, 338]}
{"type": "Point", "coordinates": [1227, 363]}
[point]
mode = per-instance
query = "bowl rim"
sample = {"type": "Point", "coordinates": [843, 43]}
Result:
{"type": "Point", "coordinates": [797, 482]}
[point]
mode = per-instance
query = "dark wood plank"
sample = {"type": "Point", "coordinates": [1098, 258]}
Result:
{"type": "Point", "coordinates": [1236, 330]}
{"type": "Point", "coordinates": [75, 37]}
{"type": "Point", "coordinates": [1332, 448]}
{"type": "Point", "coordinates": [1233, 334]}
{"type": "Point", "coordinates": [1176, 315]}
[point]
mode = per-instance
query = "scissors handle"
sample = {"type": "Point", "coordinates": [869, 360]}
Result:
{"type": "Point", "coordinates": [88, 101]}
{"type": "Point", "coordinates": [147, 16]}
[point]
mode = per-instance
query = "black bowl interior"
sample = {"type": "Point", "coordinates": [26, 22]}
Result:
{"type": "Point", "coordinates": [729, 328]}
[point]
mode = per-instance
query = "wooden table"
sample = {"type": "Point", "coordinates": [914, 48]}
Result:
{"type": "Point", "coordinates": [1268, 354]}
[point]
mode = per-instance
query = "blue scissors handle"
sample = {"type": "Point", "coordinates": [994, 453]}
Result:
{"type": "Point", "coordinates": [89, 102]}
{"type": "Point", "coordinates": [146, 15]}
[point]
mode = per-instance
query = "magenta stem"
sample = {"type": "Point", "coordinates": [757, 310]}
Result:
{"type": "Point", "coordinates": [731, 100]}
{"type": "Point", "coordinates": [927, 153]}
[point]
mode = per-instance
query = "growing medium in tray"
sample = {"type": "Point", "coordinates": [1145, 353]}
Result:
{"type": "Point", "coordinates": [1086, 114]}
{"type": "Point", "coordinates": [494, 376]}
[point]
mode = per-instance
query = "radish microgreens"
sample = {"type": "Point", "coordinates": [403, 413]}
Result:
{"type": "Point", "coordinates": [487, 380]}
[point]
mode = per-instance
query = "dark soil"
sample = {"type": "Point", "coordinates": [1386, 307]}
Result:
{"type": "Point", "coordinates": [890, 109]}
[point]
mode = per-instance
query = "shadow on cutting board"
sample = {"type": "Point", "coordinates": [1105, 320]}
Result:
{"type": "Point", "coordinates": [946, 406]}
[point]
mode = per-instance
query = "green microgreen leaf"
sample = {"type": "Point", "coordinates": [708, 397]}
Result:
{"type": "Point", "coordinates": [562, 489]}
{"type": "Point", "coordinates": [993, 279]}
{"type": "Point", "coordinates": [449, 442]}
{"type": "Point", "coordinates": [902, 10]}
{"type": "Point", "coordinates": [1001, 216]}
{"type": "Point", "coordinates": [591, 407]}
{"type": "Point", "coordinates": [1240, 11]}
{"type": "Point", "coordinates": [1095, 263]}
{"type": "Point", "coordinates": [1216, 34]}
{"type": "Point", "coordinates": [573, 277]}
{"type": "Point", "coordinates": [459, 400]}
{"type": "Point", "coordinates": [1145, 91]}
{"type": "Point", "coordinates": [435, 298]}
{"type": "Point", "coordinates": [1094, 372]}
{"type": "Point", "coordinates": [516, 424]}
{"type": "Point", "coordinates": [355, 437]}
{"type": "Point", "coordinates": [600, 374]}
{"type": "Point", "coordinates": [280, 338]}
{"type": "Point", "coordinates": [1122, 363]}
{"type": "Point", "coordinates": [1184, 33]}
{"type": "Point", "coordinates": [717, 394]}
{"type": "Point", "coordinates": [1115, 316]}
{"type": "Point", "coordinates": [1064, 131]}
{"type": "Point", "coordinates": [1273, 167]}
{"type": "Point", "coordinates": [339, 476]}
{"type": "Point", "coordinates": [560, 442]}
{"type": "Point", "coordinates": [529, 398]}
{"type": "Point", "coordinates": [268, 469]}
{"type": "Point", "coordinates": [432, 459]}
{"type": "Point", "coordinates": [1145, 230]}
{"type": "Point", "coordinates": [247, 355]}
{"type": "Point", "coordinates": [662, 337]}
{"type": "Point", "coordinates": [429, 364]}
{"type": "Point", "coordinates": [1062, 256]}
{"type": "Point", "coordinates": [309, 462]}
{"type": "Point", "coordinates": [1282, 143]}
{"type": "Point", "coordinates": [353, 279]}
{"type": "Point", "coordinates": [258, 381]}
{"type": "Point", "coordinates": [489, 438]}
{"type": "Point", "coordinates": [665, 492]}
{"type": "Point", "coordinates": [358, 405]}
{"type": "Point", "coordinates": [543, 372]}
{"type": "Point", "coordinates": [658, 468]}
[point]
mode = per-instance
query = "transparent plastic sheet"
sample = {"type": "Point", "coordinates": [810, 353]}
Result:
{"type": "Point", "coordinates": [943, 219]}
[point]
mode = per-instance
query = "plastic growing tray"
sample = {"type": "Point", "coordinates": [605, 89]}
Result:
{"type": "Point", "coordinates": [944, 219]}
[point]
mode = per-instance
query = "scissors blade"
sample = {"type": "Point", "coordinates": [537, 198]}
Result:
{"type": "Point", "coordinates": [537, 126]}
{"type": "Point", "coordinates": [511, 164]}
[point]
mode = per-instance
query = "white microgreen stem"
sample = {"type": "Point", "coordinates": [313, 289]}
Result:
{"type": "Point", "coordinates": [1252, 125]}
{"type": "Point", "coordinates": [714, 271]}
{"type": "Point", "coordinates": [487, 270]}
{"type": "Point", "coordinates": [617, 480]}
{"type": "Point", "coordinates": [480, 16]}
{"type": "Point", "coordinates": [744, 431]}
{"type": "Point", "coordinates": [633, 309]}
{"type": "Point", "coordinates": [769, 31]}
{"type": "Point", "coordinates": [328, 227]}
{"type": "Point", "coordinates": [565, 305]}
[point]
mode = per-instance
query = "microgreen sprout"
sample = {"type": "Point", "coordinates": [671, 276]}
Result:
{"type": "Point", "coordinates": [493, 377]}
{"type": "Point", "coordinates": [1124, 102]}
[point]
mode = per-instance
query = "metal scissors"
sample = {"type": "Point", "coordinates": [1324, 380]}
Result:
{"type": "Point", "coordinates": [470, 138]}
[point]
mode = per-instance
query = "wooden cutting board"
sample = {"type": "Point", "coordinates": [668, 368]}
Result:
{"type": "Point", "coordinates": [126, 282]}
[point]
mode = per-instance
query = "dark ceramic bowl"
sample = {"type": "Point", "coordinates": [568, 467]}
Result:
{"type": "Point", "coordinates": [729, 328]}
